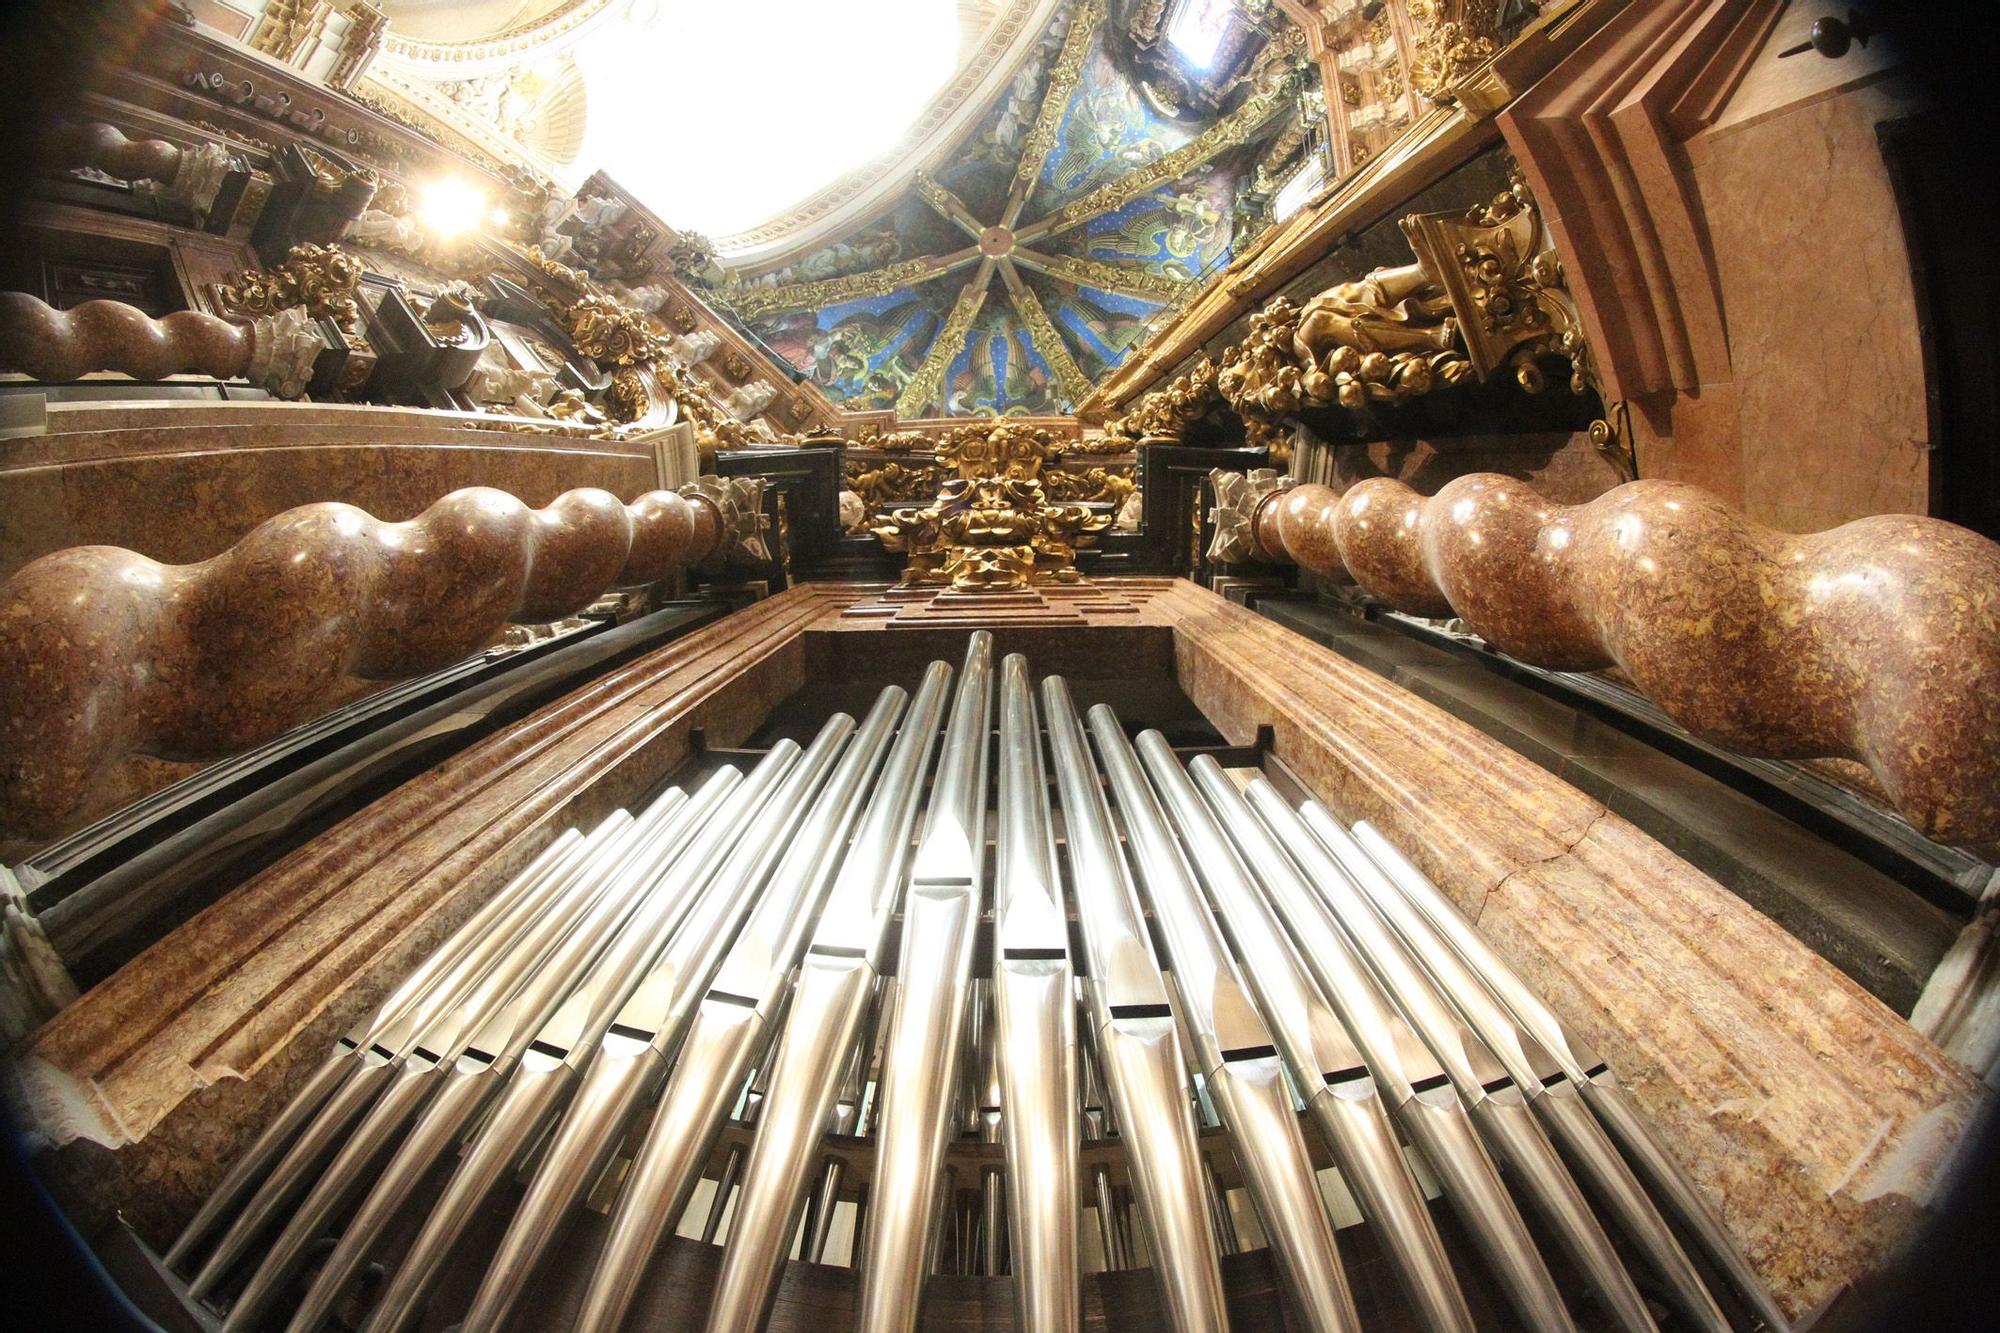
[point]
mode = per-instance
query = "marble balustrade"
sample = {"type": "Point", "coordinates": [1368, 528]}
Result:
{"type": "Point", "coordinates": [1877, 641]}
{"type": "Point", "coordinates": [275, 352]}
{"type": "Point", "coordinates": [105, 653]}
{"type": "Point", "coordinates": [106, 148]}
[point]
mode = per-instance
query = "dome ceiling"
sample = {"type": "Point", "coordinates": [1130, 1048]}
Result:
{"type": "Point", "coordinates": [1033, 257]}
{"type": "Point", "coordinates": [767, 126]}
{"type": "Point", "coordinates": [935, 207]}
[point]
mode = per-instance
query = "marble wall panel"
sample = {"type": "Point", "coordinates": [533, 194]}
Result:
{"type": "Point", "coordinates": [1825, 353]}
{"type": "Point", "coordinates": [1729, 231]}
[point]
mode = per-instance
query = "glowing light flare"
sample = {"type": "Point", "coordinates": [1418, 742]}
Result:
{"type": "Point", "coordinates": [721, 116]}
{"type": "Point", "coordinates": [451, 206]}
{"type": "Point", "coordinates": [1197, 28]}
{"type": "Point", "coordinates": [1302, 186]}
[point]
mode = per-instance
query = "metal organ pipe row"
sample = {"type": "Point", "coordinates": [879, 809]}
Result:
{"type": "Point", "coordinates": [726, 955]}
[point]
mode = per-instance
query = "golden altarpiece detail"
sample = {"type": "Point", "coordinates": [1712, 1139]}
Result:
{"type": "Point", "coordinates": [992, 524]}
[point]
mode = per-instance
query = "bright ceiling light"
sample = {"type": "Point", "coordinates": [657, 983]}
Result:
{"type": "Point", "coordinates": [719, 116]}
{"type": "Point", "coordinates": [1305, 182]}
{"type": "Point", "coordinates": [1197, 28]}
{"type": "Point", "coordinates": [451, 206]}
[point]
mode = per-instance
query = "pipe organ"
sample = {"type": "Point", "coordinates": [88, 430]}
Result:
{"type": "Point", "coordinates": [1077, 1003]}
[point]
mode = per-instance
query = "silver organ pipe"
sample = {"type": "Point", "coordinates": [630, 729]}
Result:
{"type": "Point", "coordinates": [1237, 1056]}
{"type": "Point", "coordinates": [248, 1170]}
{"type": "Point", "coordinates": [1429, 1099]}
{"type": "Point", "coordinates": [591, 1028]}
{"type": "Point", "coordinates": [1137, 1040]}
{"type": "Point", "coordinates": [836, 981]}
{"type": "Point", "coordinates": [1487, 1084]}
{"type": "Point", "coordinates": [562, 1050]}
{"type": "Point", "coordinates": [1034, 1025]}
{"type": "Point", "coordinates": [1594, 1081]}
{"type": "Point", "coordinates": [654, 881]}
{"type": "Point", "coordinates": [712, 1059]}
{"type": "Point", "coordinates": [941, 910]}
{"type": "Point", "coordinates": [1325, 1063]}
{"type": "Point", "coordinates": [1535, 1071]}
{"type": "Point", "coordinates": [551, 1016]}
{"type": "Point", "coordinates": [382, 1059]}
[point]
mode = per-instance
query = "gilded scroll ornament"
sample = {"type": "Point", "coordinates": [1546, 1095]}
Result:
{"type": "Point", "coordinates": [1098, 485]}
{"type": "Point", "coordinates": [1239, 126]}
{"type": "Point", "coordinates": [1123, 279]}
{"type": "Point", "coordinates": [890, 483]}
{"type": "Point", "coordinates": [1163, 415]}
{"type": "Point", "coordinates": [1484, 295]}
{"type": "Point", "coordinates": [1450, 39]}
{"type": "Point", "coordinates": [901, 442]}
{"type": "Point", "coordinates": [614, 331]}
{"type": "Point", "coordinates": [923, 387]}
{"type": "Point", "coordinates": [321, 278]}
{"type": "Point", "coordinates": [1042, 333]}
{"type": "Point", "coordinates": [604, 329]}
{"type": "Point", "coordinates": [1063, 75]}
{"type": "Point", "coordinates": [748, 301]}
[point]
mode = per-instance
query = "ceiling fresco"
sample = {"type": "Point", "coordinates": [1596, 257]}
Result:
{"type": "Point", "coordinates": [1029, 265]}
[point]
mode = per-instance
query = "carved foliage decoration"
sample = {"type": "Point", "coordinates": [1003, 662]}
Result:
{"type": "Point", "coordinates": [1484, 295]}
{"type": "Point", "coordinates": [322, 278]}
{"type": "Point", "coordinates": [1450, 39]}
{"type": "Point", "coordinates": [605, 330]}
{"type": "Point", "coordinates": [993, 523]}
{"type": "Point", "coordinates": [612, 331]}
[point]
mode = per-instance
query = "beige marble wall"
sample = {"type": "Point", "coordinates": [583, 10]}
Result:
{"type": "Point", "coordinates": [1826, 365]}
{"type": "Point", "coordinates": [1727, 226]}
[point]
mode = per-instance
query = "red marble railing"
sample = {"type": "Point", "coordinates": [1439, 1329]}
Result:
{"type": "Point", "coordinates": [108, 149]}
{"type": "Point", "coordinates": [106, 654]}
{"type": "Point", "coordinates": [1877, 641]}
{"type": "Point", "coordinates": [44, 343]}
{"type": "Point", "coordinates": [275, 352]}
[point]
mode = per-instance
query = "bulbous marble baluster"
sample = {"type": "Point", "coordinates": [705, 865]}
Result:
{"type": "Point", "coordinates": [275, 352]}
{"type": "Point", "coordinates": [106, 654]}
{"type": "Point", "coordinates": [44, 343]}
{"type": "Point", "coordinates": [1878, 640]}
{"type": "Point", "coordinates": [108, 149]}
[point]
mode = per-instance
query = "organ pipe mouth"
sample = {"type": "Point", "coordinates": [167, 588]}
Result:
{"type": "Point", "coordinates": [1127, 987]}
